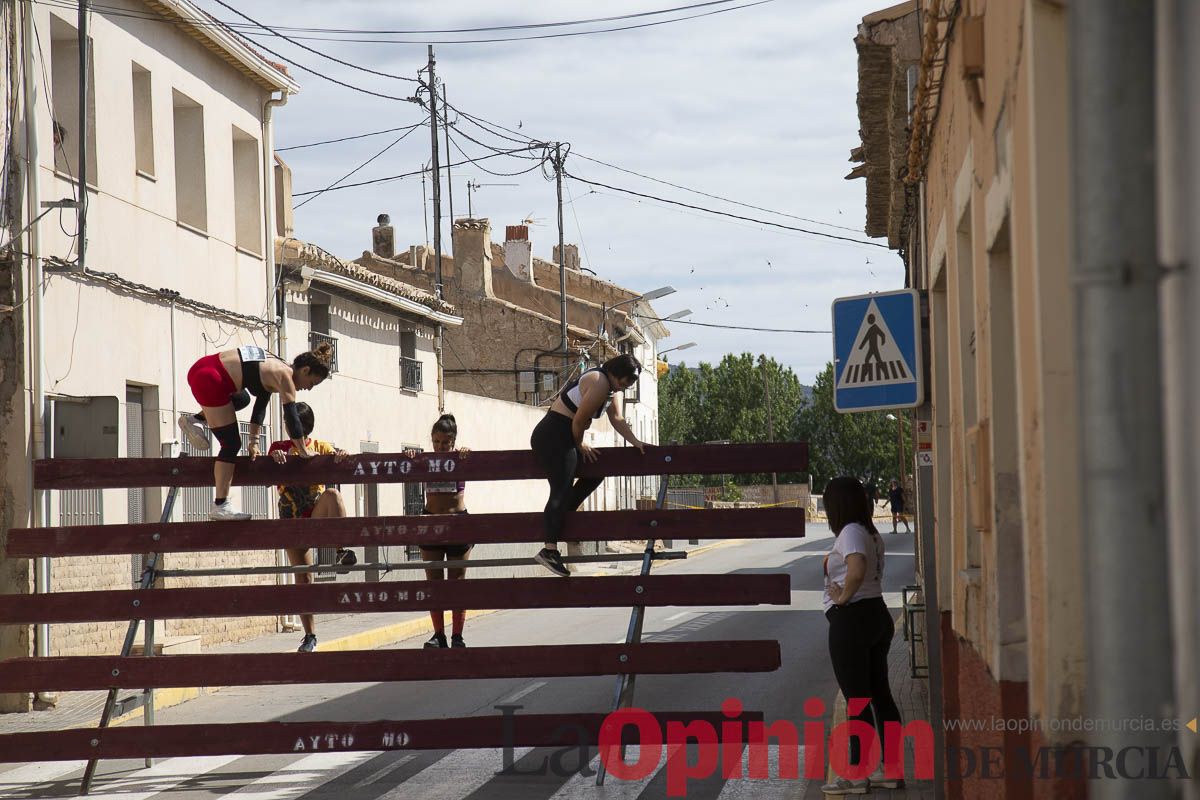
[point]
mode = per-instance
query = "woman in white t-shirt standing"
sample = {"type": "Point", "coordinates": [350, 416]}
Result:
{"type": "Point", "coordinates": [860, 625]}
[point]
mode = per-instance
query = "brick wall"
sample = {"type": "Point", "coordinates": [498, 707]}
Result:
{"type": "Point", "coordinates": [221, 630]}
{"type": "Point", "coordinates": [84, 574]}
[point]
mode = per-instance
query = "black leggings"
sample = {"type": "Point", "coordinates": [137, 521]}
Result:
{"type": "Point", "coordinates": [859, 637]}
{"type": "Point", "coordinates": [553, 444]}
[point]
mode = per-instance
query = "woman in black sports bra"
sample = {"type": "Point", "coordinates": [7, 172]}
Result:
{"type": "Point", "coordinates": [222, 384]}
{"type": "Point", "coordinates": [558, 444]}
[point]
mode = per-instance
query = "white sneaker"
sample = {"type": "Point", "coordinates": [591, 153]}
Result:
{"type": "Point", "coordinates": [880, 780]}
{"type": "Point", "coordinates": [842, 786]}
{"type": "Point", "coordinates": [194, 432]}
{"type": "Point", "coordinates": [226, 511]}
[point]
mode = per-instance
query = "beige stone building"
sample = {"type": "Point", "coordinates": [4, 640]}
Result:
{"type": "Point", "coordinates": [509, 346]}
{"type": "Point", "coordinates": [970, 158]}
{"type": "Point", "coordinates": [178, 261]}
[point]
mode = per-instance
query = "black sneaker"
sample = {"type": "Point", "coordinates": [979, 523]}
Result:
{"type": "Point", "coordinates": [436, 641]}
{"type": "Point", "coordinates": [457, 641]}
{"type": "Point", "coordinates": [552, 560]}
{"type": "Point", "coordinates": [308, 644]}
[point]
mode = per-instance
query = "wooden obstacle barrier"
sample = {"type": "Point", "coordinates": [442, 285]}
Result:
{"type": "Point", "coordinates": [147, 604]}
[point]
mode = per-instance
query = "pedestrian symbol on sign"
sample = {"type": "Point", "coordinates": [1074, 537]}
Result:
{"type": "Point", "coordinates": [877, 351]}
{"type": "Point", "coordinates": [876, 359]}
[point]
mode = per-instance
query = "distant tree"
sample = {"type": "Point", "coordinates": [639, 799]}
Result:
{"type": "Point", "coordinates": [727, 402]}
{"type": "Point", "coordinates": [861, 444]}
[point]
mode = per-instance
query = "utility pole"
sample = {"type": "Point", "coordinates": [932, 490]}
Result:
{"type": "Point", "coordinates": [562, 253]}
{"type": "Point", "coordinates": [437, 220]}
{"type": "Point", "coordinates": [449, 179]}
{"type": "Point", "coordinates": [762, 363]}
{"type": "Point", "coordinates": [84, 59]}
{"type": "Point", "coordinates": [437, 175]}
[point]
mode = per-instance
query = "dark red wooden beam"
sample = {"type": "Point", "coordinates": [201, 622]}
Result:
{"type": "Point", "coordinates": [263, 738]}
{"type": "Point", "coordinates": [328, 598]}
{"type": "Point", "coordinates": [375, 666]}
{"type": "Point", "coordinates": [120, 473]}
{"type": "Point", "coordinates": [182, 537]}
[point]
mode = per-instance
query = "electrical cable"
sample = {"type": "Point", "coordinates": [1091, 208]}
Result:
{"type": "Point", "coordinates": [498, 39]}
{"type": "Point", "coordinates": [333, 185]}
{"type": "Point", "coordinates": [715, 196]}
{"type": "Point", "coordinates": [724, 213]}
{"type": "Point", "coordinates": [471, 160]}
{"type": "Point", "coordinates": [225, 26]}
{"type": "Point", "coordinates": [578, 227]}
{"type": "Point", "coordinates": [312, 50]}
{"type": "Point", "coordinates": [346, 138]}
{"type": "Point", "coordinates": [390, 177]}
{"type": "Point", "coordinates": [368, 31]}
{"type": "Point", "coordinates": [729, 327]}
{"type": "Point", "coordinates": [164, 295]}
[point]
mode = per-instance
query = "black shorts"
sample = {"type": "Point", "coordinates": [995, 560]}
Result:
{"type": "Point", "coordinates": [449, 550]}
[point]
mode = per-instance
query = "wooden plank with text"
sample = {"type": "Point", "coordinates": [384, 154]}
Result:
{"type": "Point", "coordinates": [702, 459]}
{"type": "Point", "coordinates": [181, 537]}
{"type": "Point", "coordinates": [264, 738]}
{"type": "Point", "coordinates": [343, 598]}
{"type": "Point", "coordinates": [78, 673]}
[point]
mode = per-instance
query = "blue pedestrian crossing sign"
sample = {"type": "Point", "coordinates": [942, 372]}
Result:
{"type": "Point", "coordinates": [877, 351]}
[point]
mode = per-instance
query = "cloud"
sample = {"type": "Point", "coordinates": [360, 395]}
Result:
{"type": "Point", "coordinates": [757, 105]}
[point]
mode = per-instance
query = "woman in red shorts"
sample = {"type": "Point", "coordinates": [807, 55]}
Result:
{"type": "Point", "coordinates": [222, 384]}
{"type": "Point", "coordinates": [445, 497]}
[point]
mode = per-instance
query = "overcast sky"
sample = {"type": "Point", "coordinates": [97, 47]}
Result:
{"type": "Point", "coordinates": [756, 104]}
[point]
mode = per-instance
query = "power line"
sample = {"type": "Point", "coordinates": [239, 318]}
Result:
{"type": "Point", "coordinates": [390, 177]}
{"type": "Point", "coordinates": [524, 26]}
{"type": "Point", "coordinates": [489, 126]}
{"type": "Point", "coordinates": [219, 24]}
{"type": "Point", "coordinates": [313, 50]}
{"type": "Point", "coordinates": [472, 161]}
{"type": "Point", "coordinates": [333, 185]}
{"type": "Point", "coordinates": [536, 36]}
{"type": "Point", "coordinates": [729, 327]}
{"type": "Point", "coordinates": [715, 196]}
{"type": "Point", "coordinates": [370, 31]}
{"type": "Point", "coordinates": [346, 138]}
{"type": "Point", "coordinates": [725, 213]}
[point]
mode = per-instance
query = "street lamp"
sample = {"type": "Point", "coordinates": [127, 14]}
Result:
{"type": "Point", "coordinates": [653, 294]}
{"type": "Point", "coordinates": [678, 347]}
{"type": "Point", "coordinates": [687, 312]}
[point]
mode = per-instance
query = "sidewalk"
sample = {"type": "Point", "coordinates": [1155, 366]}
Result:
{"type": "Point", "coordinates": [348, 632]}
{"type": "Point", "coordinates": [912, 698]}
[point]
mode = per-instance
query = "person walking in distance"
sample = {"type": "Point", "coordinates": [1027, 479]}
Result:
{"type": "Point", "coordinates": [222, 384]}
{"type": "Point", "coordinates": [896, 501]}
{"type": "Point", "coordinates": [445, 497]}
{"type": "Point", "coordinates": [558, 444]}
{"type": "Point", "coordinates": [860, 630]}
{"type": "Point", "coordinates": [309, 502]}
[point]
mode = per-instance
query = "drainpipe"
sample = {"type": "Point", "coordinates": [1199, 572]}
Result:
{"type": "Point", "coordinates": [1179, 180]}
{"type": "Point", "coordinates": [276, 293]}
{"type": "Point", "coordinates": [39, 499]}
{"type": "Point", "coordinates": [1116, 276]}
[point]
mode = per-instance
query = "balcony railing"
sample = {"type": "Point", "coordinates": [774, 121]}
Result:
{"type": "Point", "coordinates": [315, 339]}
{"type": "Point", "coordinates": [410, 374]}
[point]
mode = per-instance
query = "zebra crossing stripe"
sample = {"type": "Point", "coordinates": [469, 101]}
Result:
{"type": "Point", "coordinates": [22, 781]}
{"type": "Point", "coordinates": [884, 370]}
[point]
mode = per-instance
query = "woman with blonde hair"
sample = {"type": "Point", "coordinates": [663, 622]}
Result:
{"type": "Point", "coordinates": [222, 384]}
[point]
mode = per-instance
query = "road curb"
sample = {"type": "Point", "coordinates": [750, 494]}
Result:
{"type": "Point", "coordinates": [371, 639]}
